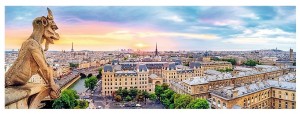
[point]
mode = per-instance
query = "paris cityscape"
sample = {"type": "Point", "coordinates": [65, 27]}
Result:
{"type": "Point", "coordinates": [154, 57]}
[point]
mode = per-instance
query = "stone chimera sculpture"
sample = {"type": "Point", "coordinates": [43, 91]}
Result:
{"type": "Point", "coordinates": [31, 59]}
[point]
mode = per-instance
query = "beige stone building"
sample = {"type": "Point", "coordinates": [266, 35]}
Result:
{"type": "Point", "coordinates": [203, 86]}
{"type": "Point", "coordinates": [268, 94]}
{"type": "Point", "coordinates": [113, 78]}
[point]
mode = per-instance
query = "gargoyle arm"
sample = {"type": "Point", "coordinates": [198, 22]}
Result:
{"type": "Point", "coordinates": [44, 71]}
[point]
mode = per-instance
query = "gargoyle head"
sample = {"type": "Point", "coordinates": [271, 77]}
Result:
{"type": "Point", "coordinates": [50, 28]}
{"type": "Point", "coordinates": [44, 29]}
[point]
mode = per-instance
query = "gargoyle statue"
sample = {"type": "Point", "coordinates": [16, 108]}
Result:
{"type": "Point", "coordinates": [31, 59]}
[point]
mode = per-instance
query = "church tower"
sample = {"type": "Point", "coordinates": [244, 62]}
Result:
{"type": "Point", "coordinates": [72, 50]}
{"type": "Point", "coordinates": [156, 52]}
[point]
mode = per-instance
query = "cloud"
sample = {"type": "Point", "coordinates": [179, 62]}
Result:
{"type": "Point", "coordinates": [263, 36]}
{"type": "Point", "coordinates": [227, 22]}
{"type": "Point", "coordinates": [127, 35]}
{"type": "Point", "coordinates": [250, 15]}
{"type": "Point", "coordinates": [265, 41]}
{"type": "Point", "coordinates": [174, 18]}
{"type": "Point", "coordinates": [265, 32]}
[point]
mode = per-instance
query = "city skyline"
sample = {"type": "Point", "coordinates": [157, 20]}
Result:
{"type": "Point", "coordinates": [173, 28]}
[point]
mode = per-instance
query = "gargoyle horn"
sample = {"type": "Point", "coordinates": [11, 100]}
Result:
{"type": "Point", "coordinates": [49, 16]}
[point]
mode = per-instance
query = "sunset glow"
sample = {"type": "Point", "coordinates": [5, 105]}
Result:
{"type": "Point", "coordinates": [173, 28]}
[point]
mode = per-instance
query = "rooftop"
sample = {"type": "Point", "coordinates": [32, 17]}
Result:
{"type": "Point", "coordinates": [227, 92]}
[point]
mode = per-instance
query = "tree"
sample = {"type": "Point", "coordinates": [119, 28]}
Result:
{"type": "Point", "coordinates": [118, 98]}
{"type": "Point", "coordinates": [165, 86]}
{"type": "Point", "coordinates": [251, 62]}
{"type": "Point", "coordinates": [186, 64]}
{"type": "Point", "coordinates": [90, 75]}
{"type": "Point", "coordinates": [82, 104]}
{"type": "Point", "coordinates": [158, 91]}
{"type": "Point", "coordinates": [140, 97]}
{"type": "Point", "coordinates": [128, 98]}
{"type": "Point", "coordinates": [198, 104]}
{"type": "Point", "coordinates": [67, 100]}
{"type": "Point", "coordinates": [232, 61]}
{"type": "Point", "coordinates": [182, 101]}
{"type": "Point", "coordinates": [99, 76]}
{"type": "Point", "coordinates": [119, 92]}
{"type": "Point", "coordinates": [72, 65]}
{"type": "Point", "coordinates": [152, 97]}
{"type": "Point", "coordinates": [168, 98]}
{"type": "Point", "coordinates": [133, 92]}
{"type": "Point", "coordinates": [145, 95]}
{"type": "Point", "coordinates": [91, 82]}
{"type": "Point", "coordinates": [124, 93]}
{"type": "Point", "coordinates": [166, 102]}
{"type": "Point", "coordinates": [82, 75]}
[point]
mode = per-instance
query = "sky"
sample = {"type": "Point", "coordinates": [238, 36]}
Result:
{"type": "Point", "coordinates": [108, 28]}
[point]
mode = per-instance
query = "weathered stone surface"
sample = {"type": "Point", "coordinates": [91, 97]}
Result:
{"type": "Point", "coordinates": [15, 94]}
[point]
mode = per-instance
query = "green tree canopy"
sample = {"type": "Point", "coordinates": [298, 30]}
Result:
{"type": "Point", "coordinates": [67, 100]}
{"type": "Point", "coordinates": [118, 98]}
{"type": "Point", "coordinates": [99, 76]}
{"type": "Point", "coordinates": [198, 104]}
{"type": "Point", "coordinates": [91, 82]}
{"type": "Point", "coordinates": [128, 98]}
{"type": "Point", "coordinates": [182, 101]}
{"type": "Point", "coordinates": [165, 86]}
{"type": "Point", "coordinates": [133, 92]}
{"type": "Point", "coordinates": [251, 62]}
{"type": "Point", "coordinates": [73, 65]}
{"type": "Point", "coordinates": [82, 104]}
{"type": "Point", "coordinates": [125, 93]}
{"type": "Point", "coordinates": [158, 91]}
{"type": "Point", "coordinates": [152, 97]}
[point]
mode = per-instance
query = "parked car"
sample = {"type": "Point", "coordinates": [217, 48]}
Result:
{"type": "Point", "coordinates": [138, 105]}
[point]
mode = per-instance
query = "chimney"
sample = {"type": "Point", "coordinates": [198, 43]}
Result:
{"type": "Point", "coordinates": [234, 72]}
{"type": "Point", "coordinates": [191, 79]}
{"type": "Point", "coordinates": [235, 93]}
{"type": "Point", "coordinates": [232, 85]}
{"type": "Point", "coordinates": [242, 84]}
{"type": "Point", "coordinates": [257, 83]}
{"type": "Point", "coordinates": [247, 87]}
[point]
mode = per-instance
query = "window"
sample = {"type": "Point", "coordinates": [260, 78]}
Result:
{"type": "Point", "coordinates": [125, 83]}
{"type": "Point", "coordinates": [266, 95]}
{"type": "Point", "coordinates": [279, 105]}
{"type": "Point", "coordinates": [224, 105]}
{"type": "Point", "coordinates": [273, 93]}
{"type": "Point", "coordinates": [293, 105]}
{"type": "Point", "coordinates": [219, 104]}
{"type": "Point", "coordinates": [252, 100]}
{"type": "Point", "coordinates": [286, 105]}
{"type": "Point", "coordinates": [214, 101]}
{"type": "Point", "coordinates": [201, 88]}
{"type": "Point", "coordinates": [248, 101]}
{"type": "Point", "coordinates": [293, 96]}
{"type": "Point", "coordinates": [255, 99]}
{"type": "Point", "coordinates": [286, 95]}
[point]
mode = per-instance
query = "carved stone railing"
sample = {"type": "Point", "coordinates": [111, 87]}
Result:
{"type": "Point", "coordinates": [27, 96]}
